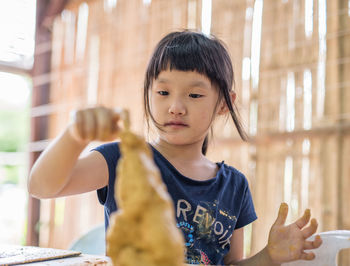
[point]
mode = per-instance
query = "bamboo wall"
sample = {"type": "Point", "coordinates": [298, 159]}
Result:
{"type": "Point", "coordinates": [293, 94]}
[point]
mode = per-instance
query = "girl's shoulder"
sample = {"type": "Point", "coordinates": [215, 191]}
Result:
{"type": "Point", "coordinates": [110, 151]}
{"type": "Point", "coordinates": [230, 169]}
{"type": "Point", "coordinates": [232, 174]}
{"type": "Point", "coordinates": [110, 147]}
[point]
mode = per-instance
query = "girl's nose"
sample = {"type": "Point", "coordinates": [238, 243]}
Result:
{"type": "Point", "coordinates": [177, 108]}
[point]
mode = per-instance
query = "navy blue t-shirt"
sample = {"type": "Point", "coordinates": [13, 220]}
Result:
{"type": "Point", "coordinates": [207, 212]}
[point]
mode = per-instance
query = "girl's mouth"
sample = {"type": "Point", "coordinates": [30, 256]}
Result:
{"type": "Point", "coordinates": [175, 124]}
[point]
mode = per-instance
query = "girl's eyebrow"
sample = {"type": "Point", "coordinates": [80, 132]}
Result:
{"type": "Point", "coordinates": [197, 83]}
{"type": "Point", "coordinates": [200, 84]}
{"type": "Point", "coordinates": [162, 80]}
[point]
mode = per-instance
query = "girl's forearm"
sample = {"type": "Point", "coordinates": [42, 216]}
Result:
{"type": "Point", "coordinates": [262, 259]}
{"type": "Point", "coordinates": [52, 169]}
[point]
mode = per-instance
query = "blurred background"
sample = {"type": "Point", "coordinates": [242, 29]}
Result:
{"type": "Point", "coordinates": [290, 60]}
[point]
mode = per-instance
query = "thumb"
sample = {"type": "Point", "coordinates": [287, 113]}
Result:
{"type": "Point", "coordinates": [282, 214]}
{"type": "Point", "coordinates": [121, 114]}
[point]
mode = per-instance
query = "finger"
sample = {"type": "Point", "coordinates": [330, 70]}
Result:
{"type": "Point", "coordinates": [302, 221]}
{"type": "Point", "coordinates": [282, 214]}
{"type": "Point", "coordinates": [309, 245]}
{"type": "Point", "coordinates": [123, 114]}
{"type": "Point", "coordinates": [317, 242]}
{"type": "Point", "coordinates": [89, 125]}
{"type": "Point", "coordinates": [104, 123]}
{"type": "Point", "coordinates": [311, 229]}
{"type": "Point", "coordinates": [307, 256]}
{"type": "Point", "coordinates": [115, 130]}
{"type": "Point", "coordinates": [116, 117]}
{"type": "Point", "coordinates": [313, 244]}
{"type": "Point", "coordinates": [78, 121]}
{"type": "Point", "coordinates": [117, 114]}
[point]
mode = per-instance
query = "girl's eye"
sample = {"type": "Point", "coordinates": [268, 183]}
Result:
{"type": "Point", "coordinates": [163, 93]}
{"type": "Point", "coordinates": [195, 95]}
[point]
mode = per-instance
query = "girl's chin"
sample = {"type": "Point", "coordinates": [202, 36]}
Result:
{"type": "Point", "coordinates": [178, 141]}
{"type": "Point", "coordinates": [175, 142]}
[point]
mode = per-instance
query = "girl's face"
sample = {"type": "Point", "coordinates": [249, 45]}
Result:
{"type": "Point", "coordinates": [183, 103]}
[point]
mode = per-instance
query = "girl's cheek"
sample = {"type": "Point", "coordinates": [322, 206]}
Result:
{"type": "Point", "coordinates": [207, 115]}
{"type": "Point", "coordinates": [156, 108]}
{"type": "Point", "coordinates": [204, 116]}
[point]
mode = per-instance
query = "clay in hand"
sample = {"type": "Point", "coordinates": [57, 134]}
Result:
{"type": "Point", "coordinates": [98, 123]}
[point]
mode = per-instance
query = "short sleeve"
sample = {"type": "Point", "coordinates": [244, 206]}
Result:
{"type": "Point", "coordinates": [247, 213]}
{"type": "Point", "coordinates": [111, 153]}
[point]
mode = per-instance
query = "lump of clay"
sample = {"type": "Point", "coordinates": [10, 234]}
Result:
{"type": "Point", "coordinates": [143, 231]}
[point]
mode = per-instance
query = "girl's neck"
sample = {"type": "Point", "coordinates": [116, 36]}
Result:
{"type": "Point", "coordinates": [180, 153]}
{"type": "Point", "coordinates": [188, 159]}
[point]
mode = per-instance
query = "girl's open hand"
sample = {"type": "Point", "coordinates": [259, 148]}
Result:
{"type": "Point", "coordinates": [288, 242]}
{"type": "Point", "coordinates": [98, 123]}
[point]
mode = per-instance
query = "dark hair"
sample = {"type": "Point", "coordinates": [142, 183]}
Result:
{"type": "Point", "coordinates": [193, 51]}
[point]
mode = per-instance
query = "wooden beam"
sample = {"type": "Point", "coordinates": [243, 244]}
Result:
{"type": "Point", "coordinates": [341, 129]}
{"type": "Point", "coordinates": [54, 7]}
{"type": "Point", "coordinates": [39, 125]}
{"type": "Point", "coordinates": [14, 68]}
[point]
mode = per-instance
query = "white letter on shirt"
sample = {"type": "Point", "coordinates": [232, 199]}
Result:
{"type": "Point", "coordinates": [183, 210]}
{"type": "Point", "coordinates": [200, 211]}
{"type": "Point", "coordinates": [225, 242]}
{"type": "Point", "coordinates": [221, 230]}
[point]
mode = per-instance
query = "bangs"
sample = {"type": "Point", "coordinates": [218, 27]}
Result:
{"type": "Point", "coordinates": [187, 56]}
{"type": "Point", "coordinates": [189, 51]}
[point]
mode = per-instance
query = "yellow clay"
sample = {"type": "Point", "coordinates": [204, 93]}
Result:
{"type": "Point", "coordinates": [143, 230]}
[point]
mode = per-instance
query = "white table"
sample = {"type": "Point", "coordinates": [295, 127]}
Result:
{"type": "Point", "coordinates": [82, 260]}
{"type": "Point", "coordinates": [30, 255]}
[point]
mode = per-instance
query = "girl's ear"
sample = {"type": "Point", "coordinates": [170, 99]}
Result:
{"type": "Point", "coordinates": [223, 109]}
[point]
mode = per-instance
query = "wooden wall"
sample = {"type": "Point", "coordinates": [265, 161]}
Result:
{"type": "Point", "coordinates": [291, 68]}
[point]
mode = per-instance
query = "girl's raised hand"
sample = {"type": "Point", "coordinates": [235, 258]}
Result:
{"type": "Point", "coordinates": [288, 242]}
{"type": "Point", "coordinates": [97, 123]}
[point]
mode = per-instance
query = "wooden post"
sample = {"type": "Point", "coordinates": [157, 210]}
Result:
{"type": "Point", "coordinates": [343, 142]}
{"type": "Point", "coordinates": [39, 125]}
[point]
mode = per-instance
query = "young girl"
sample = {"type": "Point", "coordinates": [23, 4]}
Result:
{"type": "Point", "coordinates": [188, 84]}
